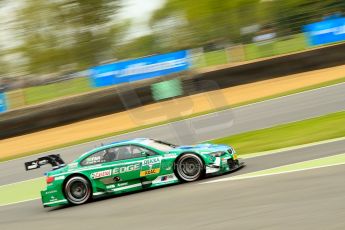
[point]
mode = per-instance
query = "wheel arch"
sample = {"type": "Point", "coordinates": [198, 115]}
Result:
{"type": "Point", "coordinates": [73, 175]}
{"type": "Point", "coordinates": [184, 153]}
{"type": "Point", "coordinates": [194, 153]}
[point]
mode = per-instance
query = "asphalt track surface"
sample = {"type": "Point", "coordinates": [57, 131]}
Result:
{"type": "Point", "coordinates": [250, 117]}
{"type": "Point", "coordinates": [313, 199]}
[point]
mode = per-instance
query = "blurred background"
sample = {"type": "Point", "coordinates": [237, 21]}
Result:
{"type": "Point", "coordinates": [48, 47]}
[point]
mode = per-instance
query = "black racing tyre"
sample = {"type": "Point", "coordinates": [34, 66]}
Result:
{"type": "Point", "coordinates": [189, 167]}
{"type": "Point", "coordinates": [77, 190]}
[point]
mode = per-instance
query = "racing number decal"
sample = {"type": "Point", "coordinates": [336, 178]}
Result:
{"type": "Point", "coordinates": [150, 166]}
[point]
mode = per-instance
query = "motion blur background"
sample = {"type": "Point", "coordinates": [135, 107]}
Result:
{"type": "Point", "coordinates": [259, 75]}
{"type": "Point", "coordinates": [48, 47]}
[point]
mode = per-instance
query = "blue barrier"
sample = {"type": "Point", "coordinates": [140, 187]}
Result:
{"type": "Point", "coordinates": [325, 32]}
{"type": "Point", "coordinates": [3, 103]}
{"type": "Point", "coordinates": [139, 69]}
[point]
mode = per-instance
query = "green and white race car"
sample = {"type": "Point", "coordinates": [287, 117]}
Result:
{"type": "Point", "coordinates": [129, 166]}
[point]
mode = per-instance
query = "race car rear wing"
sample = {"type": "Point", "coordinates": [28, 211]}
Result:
{"type": "Point", "coordinates": [53, 160]}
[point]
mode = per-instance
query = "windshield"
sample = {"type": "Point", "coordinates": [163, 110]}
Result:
{"type": "Point", "coordinates": [160, 145]}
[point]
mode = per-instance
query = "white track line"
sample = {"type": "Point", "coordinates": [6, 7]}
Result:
{"type": "Point", "coordinates": [248, 176]}
{"type": "Point", "coordinates": [18, 202]}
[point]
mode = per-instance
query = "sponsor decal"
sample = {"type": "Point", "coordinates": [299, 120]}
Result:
{"type": "Point", "coordinates": [225, 160]}
{"type": "Point", "coordinates": [51, 192]}
{"type": "Point", "coordinates": [110, 186]}
{"type": "Point", "coordinates": [93, 160]}
{"type": "Point", "coordinates": [115, 171]}
{"type": "Point", "coordinates": [139, 69]}
{"type": "Point", "coordinates": [211, 170]}
{"type": "Point", "coordinates": [73, 165]}
{"type": "Point", "coordinates": [60, 177]}
{"type": "Point", "coordinates": [164, 179]}
{"type": "Point", "coordinates": [128, 168]}
{"type": "Point", "coordinates": [101, 174]}
{"type": "Point", "coordinates": [151, 161]}
{"type": "Point", "coordinates": [326, 31]}
{"type": "Point", "coordinates": [169, 155]}
{"type": "Point", "coordinates": [33, 166]}
{"type": "Point", "coordinates": [122, 184]}
{"type": "Point", "coordinates": [53, 198]}
{"type": "Point", "coordinates": [42, 162]}
{"type": "Point", "coordinates": [171, 176]}
{"type": "Point", "coordinates": [119, 170]}
{"type": "Point", "coordinates": [3, 102]}
{"type": "Point", "coordinates": [149, 172]}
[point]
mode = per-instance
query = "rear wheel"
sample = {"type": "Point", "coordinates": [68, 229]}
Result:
{"type": "Point", "coordinates": [189, 167]}
{"type": "Point", "coordinates": [77, 190]}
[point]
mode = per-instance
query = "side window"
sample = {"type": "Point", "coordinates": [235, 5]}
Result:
{"type": "Point", "coordinates": [103, 156]}
{"type": "Point", "coordinates": [123, 152]}
{"type": "Point", "coordinates": [138, 150]}
{"type": "Point", "coordinates": [96, 158]}
{"type": "Point", "coordinates": [131, 151]}
{"type": "Point", "coordinates": [115, 154]}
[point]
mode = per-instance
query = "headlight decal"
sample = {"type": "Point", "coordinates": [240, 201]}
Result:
{"type": "Point", "coordinates": [217, 154]}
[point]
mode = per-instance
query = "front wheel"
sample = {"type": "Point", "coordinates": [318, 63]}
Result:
{"type": "Point", "coordinates": [77, 190]}
{"type": "Point", "coordinates": [189, 167]}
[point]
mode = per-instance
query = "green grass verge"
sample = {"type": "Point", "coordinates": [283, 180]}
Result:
{"type": "Point", "coordinates": [253, 51]}
{"type": "Point", "coordinates": [213, 58]}
{"type": "Point", "coordinates": [172, 120]}
{"type": "Point", "coordinates": [26, 190]}
{"type": "Point", "coordinates": [39, 94]}
{"type": "Point", "coordinates": [287, 135]}
{"type": "Point", "coordinates": [278, 47]}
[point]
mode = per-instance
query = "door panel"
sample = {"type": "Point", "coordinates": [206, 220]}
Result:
{"type": "Point", "coordinates": [123, 167]}
{"type": "Point", "coordinates": [151, 167]}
